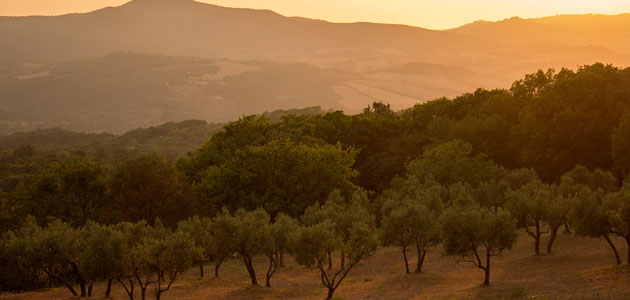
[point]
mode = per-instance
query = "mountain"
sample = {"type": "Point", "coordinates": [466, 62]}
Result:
{"type": "Point", "coordinates": [612, 32]}
{"type": "Point", "coordinates": [186, 27]}
{"type": "Point", "coordinates": [152, 61]}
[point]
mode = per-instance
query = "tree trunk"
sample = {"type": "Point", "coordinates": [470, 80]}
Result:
{"type": "Point", "coordinates": [343, 261]}
{"type": "Point", "coordinates": [552, 238]}
{"type": "Point", "coordinates": [89, 290]}
{"type": "Point", "coordinates": [143, 292]}
{"type": "Point", "coordinates": [128, 289]}
{"type": "Point", "coordinates": [404, 251]}
{"type": "Point", "coordinates": [331, 292]}
{"type": "Point", "coordinates": [108, 291]}
{"type": "Point", "coordinates": [614, 249]}
{"type": "Point", "coordinates": [421, 254]}
{"type": "Point", "coordinates": [217, 265]}
{"type": "Point", "coordinates": [486, 280]}
{"type": "Point", "coordinates": [250, 269]}
{"type": "Point", "coordinates": [273, 266]}
{"type": "Point", "coordinates": [201, 269]}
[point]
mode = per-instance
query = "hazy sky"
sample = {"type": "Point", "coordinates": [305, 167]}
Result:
{"type": "Point", "coordinates": [435, 14]}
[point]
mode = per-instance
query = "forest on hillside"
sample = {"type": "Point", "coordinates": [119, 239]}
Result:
{"type": "Point", "coordinates": [466, 174]}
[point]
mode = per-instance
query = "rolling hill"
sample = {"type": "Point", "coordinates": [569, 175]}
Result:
{"type": "Point", "coordinates": [180, 59]}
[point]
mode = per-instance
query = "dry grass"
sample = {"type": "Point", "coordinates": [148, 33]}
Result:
{"type": "Point", "coordinates": [580, 269]}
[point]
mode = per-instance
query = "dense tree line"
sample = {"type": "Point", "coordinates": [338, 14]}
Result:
{"type": "Point", "coordinates": [460, 175]}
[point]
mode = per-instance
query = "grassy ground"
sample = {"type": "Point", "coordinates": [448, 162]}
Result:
{"type": "Point", "coordinates": [580, 269]}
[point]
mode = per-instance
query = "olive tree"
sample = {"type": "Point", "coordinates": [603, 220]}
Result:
{"type": "Point", "coordinates": [153, 256]}
{"type": "Point", "coordinates": [223, 230]}
{"type": "Point", "coordinates": [413, 223]}
{"type": "Point", "coordinates": [311, 246]}
{"type": "Point", "coordinates": [562, 198]}
{"type": "Point", "coordinates": [617, 206]}
{"type": "Point", "coordinates": [17, 252]}
{"type": "Point", "coordinates": [252, 237]}
{"type": "Point", "coordinates": [166, 256]}
{"type": "Point", "coordinates": [589, 217]}
{"type": "Point", "coordinates": [200, 229]}
{"type": "Point", "coordinates": [281, 229]}
{"type": "Point", "coordinates": [102, 252]}
{"type": "Point", "coordinates": [57, 249]}
{"type": "Point", "coordinates": [342, 213]}
{"type": "Point", "coordinates": [477, 234]}
{"type": "Point", "coordinates": [132, 268]}
{"type": "Point", "coordinates": [530, 207]}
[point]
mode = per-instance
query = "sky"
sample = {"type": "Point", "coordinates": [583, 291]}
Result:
{"type": "Point", "coordinates": [440, 14]}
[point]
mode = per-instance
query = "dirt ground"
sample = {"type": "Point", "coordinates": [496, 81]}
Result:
{"type": "Point", "coordinates": [581, 268]}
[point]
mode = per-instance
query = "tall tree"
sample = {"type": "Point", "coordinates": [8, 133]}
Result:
{"type": "Point", "coordinates": [147, 187]}
{"type": "Point", "coordinates": [280, 176]}
{"type": "Point", "coordinates": [72, 190]}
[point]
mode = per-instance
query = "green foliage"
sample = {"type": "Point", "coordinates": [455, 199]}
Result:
{"type": "Point", "coordinates": [280, 176]}
{"type": "Point", "coordinates": [566, 109]}
{"type": "Point", "coordinates": [620, 144]}
{"type": "Point", "coordinates": [72, 190]}
{"type": "Point", "coordinates": [453, 162]}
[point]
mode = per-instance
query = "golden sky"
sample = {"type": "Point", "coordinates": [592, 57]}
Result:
{"type": "Point", "coordinates": [434, 14]}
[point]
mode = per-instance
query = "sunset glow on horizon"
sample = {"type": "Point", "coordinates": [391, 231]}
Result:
{"type": "Point", "coordinates": [422, 13]}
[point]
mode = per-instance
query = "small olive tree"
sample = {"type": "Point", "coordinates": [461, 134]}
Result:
{"type": "Point", "coordinates": [57, 250]}
{"type": "Point", "coordinates": [617, 206]}
{"type": "Point", "coordinates": [281, 229]}
{"type": "Point", "coordinates": [411, 224]}
{"type": "Point", "coordinates": [589, 217]}
{"type": "Point", "coordinates": [252, 237]}
{"type": "Point", "coordinates": [342, 213]}
{"type": "Point", "coordinates": [103, 248]}
{"type": "Point", "coordinates": [132, 269]}
{"type": "Point", "coordinates": [530, 207]}
{"type": "Point", "coordinates": [311, 246]}
{"type": "Point", "coordinates": [167, 255]}
{"type": "Point", "coordinates": [223, 230]}
{"type": "Point", "coordinates": [200, 229]}
{"type": "Point", "coordinates": [477, 234]}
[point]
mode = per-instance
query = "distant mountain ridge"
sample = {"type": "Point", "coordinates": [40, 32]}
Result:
{"type": "Point", "coordinates": [610, 31]}
{"type": "Point", "coordinates": [186, 27]}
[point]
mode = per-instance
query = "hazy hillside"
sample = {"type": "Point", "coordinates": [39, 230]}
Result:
{"type": "Point", "coordinates": [123, 91]}
{"type": "Point", "coordinates": [59, 71]}
{"type": "Point", "coordinates": [185, 27]}
{"type": "Point", "coordinates": [612, 32]}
